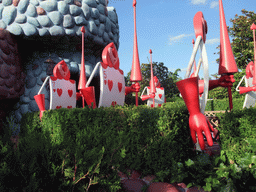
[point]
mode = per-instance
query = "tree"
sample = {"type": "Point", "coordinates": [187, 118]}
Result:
{"type": "Point", "coordinates": [242, 42]}
{"type": "Point", "coordinates": [167, 79]}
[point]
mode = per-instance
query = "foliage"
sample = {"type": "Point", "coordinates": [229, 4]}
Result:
{"type": "Point", "coordinates": [242, 42]}
{"type": "Point", "coordinates": [167, 79]}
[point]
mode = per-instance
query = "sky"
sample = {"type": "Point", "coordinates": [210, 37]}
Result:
{"type": "Point", "coordinates": [166, 27]}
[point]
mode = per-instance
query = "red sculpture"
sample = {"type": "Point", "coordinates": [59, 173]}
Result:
{"type": "Point", "coordinates": [135, 72]}
{"type": "Point", "coordinates": [190, 88]}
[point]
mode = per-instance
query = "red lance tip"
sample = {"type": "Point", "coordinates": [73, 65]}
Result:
{"type": "Point", "coordinates": [82, 79]}
{"type": "Point", "coordinates": [135, 72]}
{"type": "Point", "coordinates": [253, 27]}
{"type": "Point", "coordinates": [227, 60]}
{"type": "Point", "coordinates": [193, 41]}
{"type": "Point", "coordinates": [134, 3]}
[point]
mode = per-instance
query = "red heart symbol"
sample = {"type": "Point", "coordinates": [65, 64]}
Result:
{"type": "Point", "coordinates": [160, 96]}
{"type": "Point", "coordinates": [59, 91]}
{"type": "Point", "coordinates": [58, 107]}
{"type": "Point", "coordinates": [152, 105]}
{"type": "Point", "coordinates": [110, 84]}
{"type": "Point", "coordinates": [54, 90]}
{"type": "Point", "coordinates": [105, 82]}
{"type": "Point", "coordinates": [162, 88]}
{"type": "Point", "coordinates": [159, 105]}
{"type": "Point", "coordinates": [53, 78]}
{"type": "Point", "coordinates": [113, 103]}
{"type": "Point", "coordinates": [70, 92]}
{"type": "Point", "coordinates": [69, 107]}
{"type": "Point", "coordinates": [120, 86]}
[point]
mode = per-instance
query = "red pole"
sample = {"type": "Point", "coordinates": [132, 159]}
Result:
{"type": "Point", "coordinates": [135, 72]}
{"type": "Point", "coordinates": [253, 27]}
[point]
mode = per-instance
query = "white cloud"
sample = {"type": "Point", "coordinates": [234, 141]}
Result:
{"type": "Point", "coordinates": [179, 38]}
{"type": "Point", "coordinates": [214, 4]}
{"type": "Point", "coordinates": [197, 2]}
{"type": "Point", "coordinates": [213, 41]}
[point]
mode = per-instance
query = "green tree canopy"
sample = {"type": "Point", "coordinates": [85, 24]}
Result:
{"type": "Point", "coordinates": [167, 79]}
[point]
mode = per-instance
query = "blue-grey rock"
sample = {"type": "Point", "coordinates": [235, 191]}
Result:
{"type": "Point", "coordinates": [69, 1]}
{"type": "Point", "coordinates": [22, 6]}
{"type": "Point", "coordinates": [79, 20]}
{"type": "Point", "coordinates": [24, 108]}
{"type": "Point", "coordinates": [2, 24]}
{"type": "Point", "coordinates": [37, 71]}
{"type": "Point", "coordinates": [74, 67]}
{"type": "Point", "coordinates": [21, 18]}
{"type": "Point", "coordinates": [56, 17]}
{"type": "Point", "coordinates": [91, 3]}
{"type": "Point", "coordinates": [103, 2]}
{"type": "Point", "coordinates": [33, 21]}
{"type": "Point", "coordinates": [44, 20]}
{"type": "Point", "coordinates": [74, 10]}
{"type": "Point", "coordinates": [1, 10]}
{"type": "Point", "coordinates": [31, 11]}
{"type": "Point", "coordinates": [15, 29]}
{"type": "Point", "coordinates": [43, 32]}
{"type": "Point", "coordinates": [95, 13]}
{"type": "Point", "coordinates": [87, 11]}
{"type": "Point", "coordinates": [30, 81]}
{"type": "Point", "coordinates": [108, 24]}
{"type": "Point", "coordinates": [63, 7]}
{"type": "Point", "coordinates": [34, 2]}
{"type": "Point", "coordinates": [97, 22]}
{"type": "Point", "coordinates": [7, 2]}
{"type": "Point", "coordinates": [101, 30]}
{"type": "Point", "coordinates": [57, 30]}
{"type": "Point", "coordinates": [18, 115]}
{"type": "Point", "coordinates": [68, 21]}
{"type": "Point", "coordinates": [102, 18]}
{"type": "Point", "coordinates": [49, 5]}
{"type": "Point", "coordinates": [70, 31]}
{"type": "Point", "coordinates": [92, 27]}
{"type": "Point", "coordinates": [111, 36]}
{"type": "Point", "coordinates": [106, 37]}
{"type": "Point", "coordinates": [116, 37]}
{"type": "Point", "coordinates": [9, 14]}
{"type": "Point", "coordinates": [113, 28]}
{"type": "Point", "coordinates": [112, 14]}
{"type": "Point", "coordinates": [98, 40]}
{"type": "Point", "coordinates": [41, 75]}
{"type": "Point", "coordinates": [101, 8]}
{"type": "Point", "coordinates": [29, 29]}
{"type": "Point", "coordinates": [24, 99]}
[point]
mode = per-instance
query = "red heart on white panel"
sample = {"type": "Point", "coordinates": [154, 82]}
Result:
{"type": "Point", "coordinates": [105, 82]}
{"type": "Point", "coordinates": [59, 91]}
{"type": "Point", "coordinates": [69, 107]}
{"type": "Point", "coordinates": [159, 105]}
{"type": "Point", "coordinates": [110, 84]}
{"type": "Point", "coordinates": [113, 103]}
{"type": "Point", "coordinates": [161, 88]}
{"type": "Point", "coordinates": [70, 92]}
{"type": "Point", "coordinates": [160, 96]}
{"type": "Point", "coordinates": [152, 105]}
{"type": "Point", "coordinates": [120, 86]}
{"type": "Point", "coordinates": [54, 90]}
{"type": "Point", "coordinates": [58, 107]}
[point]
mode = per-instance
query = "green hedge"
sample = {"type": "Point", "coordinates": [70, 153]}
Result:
{"type": "Point", "coordinates": [96, 141]}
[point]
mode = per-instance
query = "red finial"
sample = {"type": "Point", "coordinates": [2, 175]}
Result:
{"type": "Point", "coordinates": [227, 60]}
{"type": "Point", "coordinates": [193, 41]}
{"type": "Point", "coordinates": [135, 72]}
{"type": "Point", "coordinates": [82, 79]}
{"type": "Point", "coordinates": [134, 3]}
{"type": "Point", "coordinates": [253, 27]}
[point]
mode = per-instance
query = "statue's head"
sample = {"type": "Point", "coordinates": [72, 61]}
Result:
{"type": "Point", "coordinates": [249, 70]}
{"type": "Point", "coordinates": [61, 71]}
{"type": "Point", "coordinates": [157, 83]}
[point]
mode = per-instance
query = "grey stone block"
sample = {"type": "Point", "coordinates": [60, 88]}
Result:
{"type": "Point", "coordinates": [22, 7]}
{"type": "Point", "coordinates": [63, 7]}
{"type": "Point", "coordinates": [33, 21]}
{"type": "Point", "coordinates": [21, 18]}
{"type": "Point", "coordinates": [56, 30]}
{"type": "Point", "coordinates": [15, 29]}
{"type": "Point", "coordinates": [56, 17]}
{"type": "Point", "coordinates": [31, 11]}
{"type": "Point", "coordinates": [9, 14]}
{"type": "Point", "coordinates": [44, 20]}
{"type": "Point", "coordinates": [74, 10]}
{"type": "Point", "coordinates": [49, 5]}
{"type": "Point", "coordinates": [29, 29]}
{"type": "Point", "coordinates": [68, 21]}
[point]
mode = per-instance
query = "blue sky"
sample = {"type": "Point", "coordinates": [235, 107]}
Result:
{"type": "Point", "coordinates": [166, 27]}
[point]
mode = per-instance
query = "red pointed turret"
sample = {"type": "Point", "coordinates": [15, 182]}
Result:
{"type": "Point", "coordinates": [227, 60]}
{"type": "Point", "coordinates": [253, 28]}
{"type": "Point", "coordinates": [82, 79]}
{"type": "Point", "coordinates": [135, 72]}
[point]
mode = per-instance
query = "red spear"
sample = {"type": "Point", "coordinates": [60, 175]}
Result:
{"type": "Point", "coordinates": [253, 27]}
{"type": "Point", "coordinates": [82, 79]}
{"type": "Point", "coordinates": [135, 72]}
{"type": "Point", "coordinates": [152, 82]}
{"type": "Point", "coordinates": [227, 64]}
